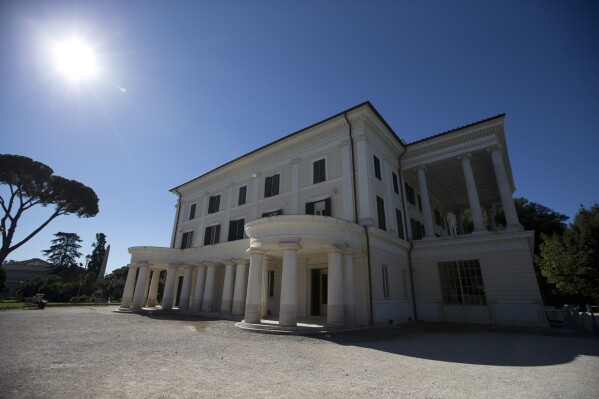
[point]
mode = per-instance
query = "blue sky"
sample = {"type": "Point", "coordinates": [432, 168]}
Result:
{"type": "Point", "coordinates": [206, 82]}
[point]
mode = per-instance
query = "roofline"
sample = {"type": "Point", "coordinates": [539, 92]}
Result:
{"type": "Point", "coordinates": [457, 128]}
{"type": "Point", "coordinates": [367, 103]}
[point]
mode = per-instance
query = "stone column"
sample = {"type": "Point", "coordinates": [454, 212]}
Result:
{"type": "Point", "coordinates": [335, 308]}
{"type": "Point", "coordinates": [153, 288]}
{"type": "Point", "coordinates": [239, 290]}
{"type": "Point", "coordinates": [295, 186]}
{"type": "Point", "coordinates": [147, 288]}
{"type": "Point", "coordinates": [349, 289]}
{"type": "Point", "coordinates": [475, 209]}
{"type": "Point", "coordinates": [227, 300]}
{"type": "Point", "coordinates": [138, 294]}
{"type": "Point", "coordinates": [208, 304]}
{"type": "Point", "coordinates": [509, 208]}
{"type": "Point", "coordinates": [253, 302]}
{"type": "Point", "coordinates": [264, 291]}
{"type": "Point", "coordinates": [169, 287]}
{"type": "Point", "coordinates": [185, 289]}
{"type": "Point", "coordinates": [348, 205]}
{"type": "Point", "coordinates": [198, 294]}
{"type": "Point", "coordinates": [129, 285]}
{"type": "Point", "coordinates": [429, 227]}
{"type": "Point", "coordinates": [288, 307]}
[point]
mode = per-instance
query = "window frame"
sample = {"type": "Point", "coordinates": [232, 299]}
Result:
{"type": "Point", "coordinates": [399, 221]}
{"type": "Point", "coordinates": [377, 167]}
{"type": "Point", "coordinates": [328, 207]}
{"type": "Point", "coordinates": [245, 194]}
{"type": "Point", "coordinates": [214, 204]}
{"type": "Point", "coordinates": [214, 234]}
{"type": "Point", "coordinates": [395, 182]}
{"type": "Point", "coordinates": [323, 170]}
{"type": "Point", "coordinates": [462, 283]}
{"type": "Point", "coordinates": [192, 211]}
{"type": "Point", "coordinates": [187, 239]}
{"type": "Point", "coordinates": [380, 212]}
{"type": "Point", "coordinates": [271, 283]}
{"type": "Point", "coordinates": [236, 229]}
{"type": "Point", "coordinates": [272, 186]}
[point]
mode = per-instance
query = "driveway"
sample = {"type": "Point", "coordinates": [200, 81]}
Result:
{"type": "Point", "coordinates": [93, 352]}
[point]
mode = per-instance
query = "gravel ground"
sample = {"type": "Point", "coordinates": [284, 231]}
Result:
{"type": "Point", "coordinates": [94, 352]}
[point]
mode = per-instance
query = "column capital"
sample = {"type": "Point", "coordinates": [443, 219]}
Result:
{"type": "Point", "coordinates": [206, 194]}
{"type": "Point", "coordinates": [133, 265]}
{"type": "Point", "coordinates": [332, 250]}
{"type": "Point", "coordinates": [290, 246]}
{"type": "Point", "coordinates": [494, 148]}
{"type": "Point", "coordinates": [230, 185]}
{"type": "Point", "coordinates": [187, 266]}
{"type": "Point", "coordinates": [241, 261]}
{"type": "Point", "coordinates": [343, 143]}
{"type": "Point", "coordinates": [420, 168]}
{"type": "Point", "coordinates": [465, 155]}
{"type": "Point", "coordinates": [254, 251]}
{"type": "Point", "coordinates": [210, 264]}
{"type": "Point", "coordinates": [229, 262]}
{"type": "Point", "coordinates": [296, 161]}
{"type": "Point", "coordinates": [360, 137]}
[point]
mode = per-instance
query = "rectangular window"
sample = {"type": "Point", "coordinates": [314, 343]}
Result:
{"type": "Point", "coordinates": [214, 204]}
{"type": "Point", "coordinates": [273, 213]}
{"type": "Point", "coordinates": [271, 283]}
{"type": "Point", "coordinates": [322, 207]}
{"type": "Point", "coordinates": [212, 235]}
{"type": "Point", "coordinates": [410, 194]}
{"type": "Point", "coordinates": [319, 173]}
{"type": "Point", "coordinates": [241, 199]}
{"type": "Point", "coordinates": [437, 218]}
{"type": "Point", "coordinates": [385, 282]}
{"type": "Point", "coordinates": [416, 229]}
{"type": "Point", "coordinates": [377, 167]}
{"type": "Point", "coordinates": [399, 220]}
{"type": "Point", "coordinates": [462, 283]}
{"type": "Point", "coordinates": [404, 283]}
{"type": "Point", "coordinates": [192, 211]}
{"type": "Point", "coordinates": [271, 185]}
{"type": "Point", "coordinates": [380, 208]}
{"type": "Point", "coordinates": [395, 183]}
{"type": "Point", "coordinates": [186, 240]}
{"type": "Point", "coordinates": [236, 229]}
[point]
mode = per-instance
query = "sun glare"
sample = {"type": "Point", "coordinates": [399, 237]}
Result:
{"type": "Point", "coordinates": [75, 60]}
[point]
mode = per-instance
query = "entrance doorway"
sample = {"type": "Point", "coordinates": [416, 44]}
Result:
{"type": "Point", "coordinates": [318, 292]}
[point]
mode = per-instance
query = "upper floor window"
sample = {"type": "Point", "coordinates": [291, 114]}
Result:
{"type": "Point", "coordinates": [417, 232]}
{"type": "Point", "coordinates": [395, 183]}
{"type": "Point", "coordinates": [241, 199]}
{"type": "Point", "coordinates": [186, 240]}
{"type": "Point", "coordinates": [236, 229]}
{"type": "Point", "coordinates": [192, 211]}
{"type": "Point", "coordinates": [271, 185]}
{"type": "Point", "coordinates": [319, 173]}
{"type": "Point", "coordinates": [271, 283]}
{"type": "Point", "coordinates": [399, 219]}
{"type": "Point", "coordinates": [410, 194]}
{"type": "Point", "coordinates": [322, 207]}
{"type": "Point", "coordinates": [380, 208]}
{"type": "Point", "coordinates": [377, 167]}
{"type": "Point", "coordinates": [214, 204]}
{"type": "Point", "coordinates": [212, 235]}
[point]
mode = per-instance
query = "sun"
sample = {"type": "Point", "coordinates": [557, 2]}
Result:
{"type": "Point", "coordinates": [76, 60]}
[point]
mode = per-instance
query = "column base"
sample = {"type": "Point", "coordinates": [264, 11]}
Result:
{"type": "Point", "coordinates": [207, 306]}
{"type": "Point", "coordinates": [253, 313]}
{"type": "Point", "coordinates": [226, 307]}
{"type": "Point", "coordinates": [335, 315]}
{"type": "Point", "coordinates": [238, 308]}
{"type": "Point", "coordinates": [288, 316]}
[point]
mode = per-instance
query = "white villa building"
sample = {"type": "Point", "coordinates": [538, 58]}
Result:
{"type": "Point", "coordinates": [344, 224]}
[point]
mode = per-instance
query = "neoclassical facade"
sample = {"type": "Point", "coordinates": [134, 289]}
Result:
{"type": "Point", "coordinates": [345, 224]}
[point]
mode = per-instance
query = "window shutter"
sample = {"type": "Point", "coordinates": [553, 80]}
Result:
{"type": "Point", "coordinates": [327, 206]}
{"type": "Point", "coordinates": [211, 205]}
{"type": "Point", "coordinates": [240, 228]}
{"type": "Point", "coordinates": [232, 229]}
{"type": "Point", "coordinates": [207, 235]}
{"type": "Point", "coordinates": [267, 186]}
{"type": "Point", "coordinates": [216, 233]}
{"type": "Point", "coordinates": [309, 208]}
{"type": "Point", "coordinates": [275, 184]}
{"type": "Point", "coordinates": [192, 211]}
{"type": "Point", "coordinates": [217, 203]}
